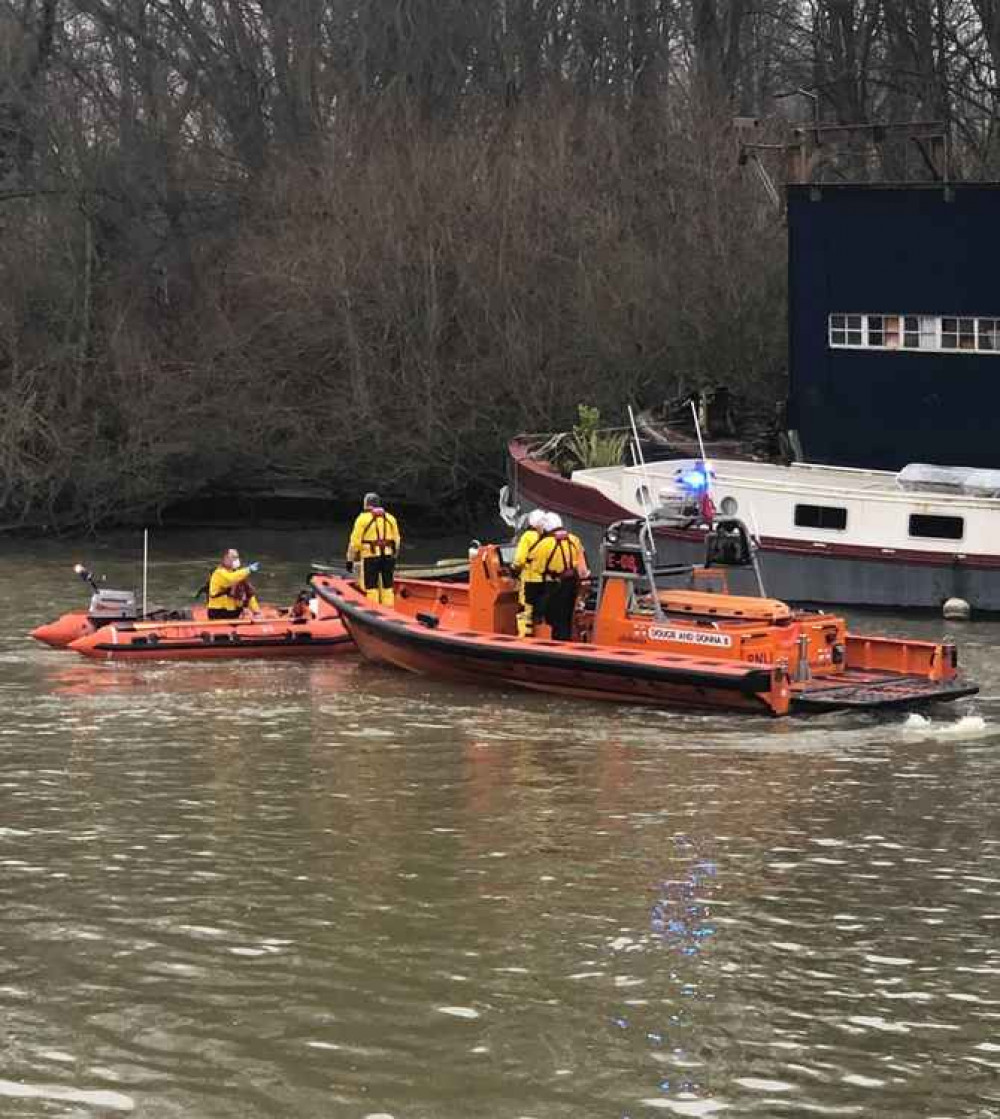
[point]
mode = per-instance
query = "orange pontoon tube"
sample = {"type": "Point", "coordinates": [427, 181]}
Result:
{"type": "Point", "coordinates": [310, 628]}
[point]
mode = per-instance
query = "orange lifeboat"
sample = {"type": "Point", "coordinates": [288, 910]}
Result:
{"type": "Point", "coordinates": [688, 647]}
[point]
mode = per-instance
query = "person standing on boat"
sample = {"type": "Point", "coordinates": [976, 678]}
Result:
{"type": "Point", "coordinates": [559, 560]}
{"type": "Point", "coordinates": [374, 544]}
{"type": "Point", "coordinates": [230, 591]}
{"type": "Point", "coordinates": [530, 585]}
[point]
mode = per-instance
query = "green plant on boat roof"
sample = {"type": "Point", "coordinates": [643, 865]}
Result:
{"type": "Point", "coordinates": [589, 445]}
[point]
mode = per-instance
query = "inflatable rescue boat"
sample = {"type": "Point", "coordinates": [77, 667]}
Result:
{"type": "Point", "coordinates": [692, 646]}
{"type": "Point", "coordinates": [107, 606]}
{"type": "Point", "coordinates": [285, 636]}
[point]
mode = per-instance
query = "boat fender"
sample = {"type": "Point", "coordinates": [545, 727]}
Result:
{"type": "Point", "coordinates": [956, 610]}
{"type": "Point", "coordinates": [428, 620]}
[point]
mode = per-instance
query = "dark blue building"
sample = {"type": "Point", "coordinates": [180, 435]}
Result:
{"type": "Point", "coordinates": [894, 323]}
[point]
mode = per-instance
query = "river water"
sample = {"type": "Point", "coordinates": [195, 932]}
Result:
{"type": "Point", "coordinates": [334, 890]}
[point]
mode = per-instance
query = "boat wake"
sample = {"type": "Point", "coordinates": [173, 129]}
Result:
{"type": "Point", "coordinates": [966, 726]}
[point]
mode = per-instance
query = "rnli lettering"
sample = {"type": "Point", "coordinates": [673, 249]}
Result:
{"type": "Point", "coordinates": [690, 636]}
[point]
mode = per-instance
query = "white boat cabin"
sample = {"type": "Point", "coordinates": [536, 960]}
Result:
{"type": "Point", "coordinates": [920, 509]}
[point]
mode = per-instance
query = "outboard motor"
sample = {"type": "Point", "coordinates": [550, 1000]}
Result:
{"type": "Point", "coordinates": [107, 605]}
{"type": "Point", "coordinates": [113, 606]}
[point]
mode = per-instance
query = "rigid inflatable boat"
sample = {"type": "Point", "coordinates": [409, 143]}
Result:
{"type": "Point", "coordinates": [694, 645]}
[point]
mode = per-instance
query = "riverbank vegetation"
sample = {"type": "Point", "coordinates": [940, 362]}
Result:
{"type": "Point", "coordinates": [328, 244]}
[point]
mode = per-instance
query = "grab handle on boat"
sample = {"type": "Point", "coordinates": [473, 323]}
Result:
{"type": "Point", "coordinates": [802, 671]}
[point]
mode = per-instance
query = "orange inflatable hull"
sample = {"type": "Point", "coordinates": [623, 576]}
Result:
{"type": "Point", "coordinates": [279, 637]}
{"type": "Point", "coordinates": [78, 623]}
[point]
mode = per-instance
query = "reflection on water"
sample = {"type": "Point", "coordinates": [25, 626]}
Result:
{"type": "Point", "coordinates": [329, 889]}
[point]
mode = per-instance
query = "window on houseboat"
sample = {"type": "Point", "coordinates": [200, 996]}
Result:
{"type": "Point", "coordinates": [936, 527]}
{"type": "Point", "coordinates": [920, 332]}
{"type": "Point", "coordinates": [939, 333]}
{"type": "Point", "coordinates": [883, 331]}
{"type": "Point", "coordinates": [847, 330]}
{"type": "Point", "coordinates": [820, 516]}
{"type": "Point", "coordinates": [988, 334]}
{"type": "Point", "coordinates": [958, 334]}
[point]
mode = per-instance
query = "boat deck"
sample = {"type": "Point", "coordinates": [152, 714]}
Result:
{"type": "Point", "coordinates": [798, 474]}
{"type": "Point", "coordinates": [859, 689]}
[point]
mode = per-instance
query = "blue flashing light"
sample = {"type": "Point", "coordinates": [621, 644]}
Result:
{"type": "Point", "coordinates": [694, 480]}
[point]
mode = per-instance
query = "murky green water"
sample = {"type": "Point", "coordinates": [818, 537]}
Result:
{"type": "Point", "coordinates": [331, 890]}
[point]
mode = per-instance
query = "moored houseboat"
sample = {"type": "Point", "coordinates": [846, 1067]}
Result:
{"type": "Point", "coordinates": [893, 362]}
{"type": "Point", "coordinates": [826, 534]}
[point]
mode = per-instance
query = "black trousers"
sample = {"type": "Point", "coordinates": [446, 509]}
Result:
{"type": "Point", "coordinates": [375, 568]}
{"type": "Point", "coordinates": [558, 604]}
{"type": "Point", "coordinates": [216, 613]}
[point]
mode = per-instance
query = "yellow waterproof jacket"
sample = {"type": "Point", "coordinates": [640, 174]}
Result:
{"type": "Point", "coordinates": [221, 586]}
{"type": "Point", "coordinates": [529, 538]}
{"type": "Point", "coordinates": [375, 533]}
{"type": "Point", "coordinates": [555, 556]}
{"type": "Point", "coordinates": [582, 567]}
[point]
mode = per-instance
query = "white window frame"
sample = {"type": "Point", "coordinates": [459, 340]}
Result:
{"type": "Point", "coordinates": [936, 348]}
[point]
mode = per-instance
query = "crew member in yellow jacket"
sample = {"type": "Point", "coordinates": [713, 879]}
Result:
{"type": "Point", "coordinates": [374, 544]}
{"type": "Point", "coordinates": [530, 585]}
{"type": "Point", "coordinates": [230, 591]}
{"type": "Point", "coordinates": [559, 561]}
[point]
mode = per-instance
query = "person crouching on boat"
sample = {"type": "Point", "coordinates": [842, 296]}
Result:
{"type": "Point", "coordinates": [230, 591]}
{"type": "Point", "coordinates": [375, 543]}
{"type": "Point", "coordinates": [559, 560]}
{"type": "Point", "coordinates": [530, 585]}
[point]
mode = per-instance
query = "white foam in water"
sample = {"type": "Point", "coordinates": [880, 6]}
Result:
{"type": "Point", "coordinates": [968, 726]}
{"type": "Point", "coordinates": [686, 1107]}
{"type": "Point", "coordinates": [111, 1101]}
{"type": "Point", "coordinates": [758, 1084]}
{"type": "Point", "coordinates": [862, 1081]}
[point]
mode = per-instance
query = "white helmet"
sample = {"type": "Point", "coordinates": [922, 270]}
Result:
{"type": "Point", "coordinates": [535, 519]}
{"type": "Point", "coordinates": [552, 522]}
